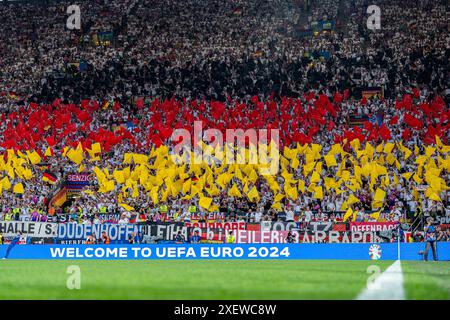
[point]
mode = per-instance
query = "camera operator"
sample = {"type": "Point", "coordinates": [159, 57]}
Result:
{"type": "Point", "coordinates": [397, 232]}
{"type": "Point", "coordinates": [430, 239]}
{"type": "Point", "coordinates": [290, 237]}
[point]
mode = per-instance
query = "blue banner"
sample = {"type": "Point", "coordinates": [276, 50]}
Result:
{"type": "Point", "coordinates": [70, 233]}
{"type": "Point", "coordinates": [335, 251]}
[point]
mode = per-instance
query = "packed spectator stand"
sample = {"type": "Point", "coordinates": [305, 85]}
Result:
{"type": "Point", "coordinates": [138, 69]}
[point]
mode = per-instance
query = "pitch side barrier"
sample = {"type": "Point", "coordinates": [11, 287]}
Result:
{"type": "Point", "coordinates": [334, 251]}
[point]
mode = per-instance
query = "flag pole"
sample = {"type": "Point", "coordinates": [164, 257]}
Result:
{"type": "Point", "coordinates": [398, 242]}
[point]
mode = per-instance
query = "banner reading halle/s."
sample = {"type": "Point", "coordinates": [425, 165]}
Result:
{"type": "Point", "coordinates": [29, 229]}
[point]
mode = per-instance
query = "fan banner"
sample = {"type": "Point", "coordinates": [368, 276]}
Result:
{"type": "Point", "coordinates": [29, 228]}
{"type": "Point", "coordinates": [372, 226]}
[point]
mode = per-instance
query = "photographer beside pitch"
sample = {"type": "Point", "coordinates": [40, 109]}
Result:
{"type": "Point", "coordinates": [430, 239]}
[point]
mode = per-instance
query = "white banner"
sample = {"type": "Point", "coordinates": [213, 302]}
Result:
{"type": "Point", "coordinates": [29, 228]}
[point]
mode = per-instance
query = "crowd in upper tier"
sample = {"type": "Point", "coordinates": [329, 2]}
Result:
{"type": "Point", "coordinates": [212, 49]}
{"type": "Point", "coordinates": [232, 64]}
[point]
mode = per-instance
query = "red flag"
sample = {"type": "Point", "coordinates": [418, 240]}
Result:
{"type": "Point", "coordinates": [385, 133]}
{"type": "Point", "coordinates": [116, 106]}
{"type": "Point", "coordinates": [51, 141]}
{"type": "Point", "coordinates": [394, 120]}
{"type": "Point", "coordinates": [406, 134]}
{"type": "Point", "coordinates": [140, 103]}
{"type": "Point", "coordinates": [413, 122]}
{"type": "Point", "coordinates": [363, 101]}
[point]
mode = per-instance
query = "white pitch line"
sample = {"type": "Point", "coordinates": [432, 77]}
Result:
{"type": "Point", "coordinates": [387, 286]}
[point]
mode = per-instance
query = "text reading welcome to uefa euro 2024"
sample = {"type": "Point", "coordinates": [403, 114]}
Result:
{"type": "Point", "coordinates": [226, 310]}
{"type": "Point", "coordinates": [164, 252]}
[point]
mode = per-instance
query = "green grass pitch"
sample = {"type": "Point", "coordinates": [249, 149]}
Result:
{"type": "Point", "coordinates": [195, 279]}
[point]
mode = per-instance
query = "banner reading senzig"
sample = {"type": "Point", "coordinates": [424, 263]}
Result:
{"type": "Point", "coordinates": [335, 251]}
{"type": "Point", "coordinates": [29, 229]}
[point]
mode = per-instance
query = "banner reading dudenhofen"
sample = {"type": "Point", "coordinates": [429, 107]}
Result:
{"type": "Point", "coordinates": [72, 233]}
{"type": "Point", "coordinates": [29, 229]}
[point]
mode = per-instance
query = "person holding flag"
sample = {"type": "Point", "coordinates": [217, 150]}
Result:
{"type": "Point", "coordinates": [13, 243]}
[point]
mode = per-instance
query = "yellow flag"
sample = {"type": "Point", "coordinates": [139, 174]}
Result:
{"type": "Point", "coordinates": [407, 152]}
{"type": "Point", "coordinates": [429, 151]}
{"type": "Point", "coordinates": [369, 150]}
{"type": "Point", "coordinates": [335, 149]}
{"type": "Point", "coordinates": [315, 177]}
{"type": "Point", "coordinates": [234, 191]}
{"type": "Point", "coordinates": [96, 148]}
{"type": "Point", "coordinates": [278, 197]}
{"type": "Point", "coordinates": [379, 148]}
{"type": "Point", "coordinates": [432, 194]}
{"type": "Point", "coordinates": [119, 176]}
{"type": "Point", "coordinates": [135, 192]}
{"type": "Point", "coordinates": [295, 163]}
{"type": "Point", "coordinates": [407, 175]}
{"type": "Point", "coordinates": [18, 188]}
{"type": "Point", "coordinates": [48, 152]}
{"type": "Point", "coordinates": [75, 155]}
{"type": "Point", "coordinates": [376, 215]}
{"type": "Point", "coordinates": [109, 185]}
{"type": "Point", "coordinates": [395, 179]}
{"type": "Point", "coordinates": [253, 176]}
{"type": "Point", "coordinates": [154, 195]}
{"type": "Point", "coordinates": [277, 206]}
{"type": "Point", "coordinates": [390, 159]}
{"type": "Point", "coordinates": [348, 214]}
{"type": "Point", "coordinates": [330, 160]}
{"type": "Point", "coordinates": [388, 147]}
{"type": "Point", "coordinates": [253, 194]}
{"type": "Point", "coordinates": [290, 153]}
{"type": "Point", "coordinates": [379, 195]}
{"type": "Point", "coordinates": [352, 199]}
{"type": "Point", "coordinates": [291, 192]}
{"type": "Point", "coordinates": [205, 202]}
{"type": "Point", "coordinates": [318, 192]}
{"type": "Point", "coordinates": [417, 179]}
{"type": "Point", "coordinates": [34, 157]}
{"type": "Point", "coordinates": [439, 143]}
{"type": "Point", "coordinates": [6, 184]}
{"type": "Point", "coordinates": [301, 186]}
{"type": "Point", "coordinates": [354, 215]}
{"type": "Point", "coordinates": [356, 144]}
{"type": "Point", "coordinates": [126, 207]}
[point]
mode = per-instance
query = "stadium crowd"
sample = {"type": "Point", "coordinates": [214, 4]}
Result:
{"type": "Point", "coordinates": [231, 64]}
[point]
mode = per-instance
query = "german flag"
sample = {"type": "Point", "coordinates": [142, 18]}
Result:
{"type": "Point", "coordinates": [105, 104]}
{"type": "Point", "coordinates": [49, 177]}
{"type": "Point", "coordinates": [13, 95]}
{"type": "Point", "coordinates": [237, 11]}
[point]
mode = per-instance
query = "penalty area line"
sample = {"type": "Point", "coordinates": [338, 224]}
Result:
{"type": "Point", "coordinates": [387, 286]}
